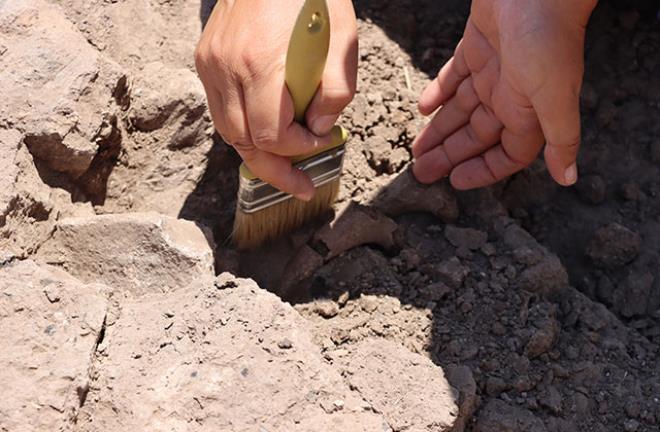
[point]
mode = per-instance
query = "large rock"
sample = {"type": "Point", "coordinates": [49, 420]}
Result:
{"type": "Point", "coordinates": [167, 161]}
{"type": "Point", "coordinates": [23, 204]}
{"type": "Point", "coordinates": [407, 388]}
{"type": "Point", "coordinates": [58, 90]}
{"type": "Point", "coordinates": [28, 208]}
{"type": "Point", "coordinates": [162, 95]}
{"type": "Point", "coordinates": [234, 357]}
{"type": "Point", "coordinates": [170, 135]}
{"type": "Point", "coordinates": [49, 326]}
{"type": "Point", "coordinates": [10, 142]}
{"type": "Point", "coordinates": [136, 252]}
{"type": "Point", "coordinates": [118, 29]}
{"type": "Point", "coordinates": [226, 355]}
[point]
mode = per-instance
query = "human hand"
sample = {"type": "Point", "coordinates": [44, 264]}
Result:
{"type": "Point", "coordinates": [240, 59]}
{"type": "Point", "coordinates": [512, 85]}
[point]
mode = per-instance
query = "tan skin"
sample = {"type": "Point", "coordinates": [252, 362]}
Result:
{"type": "Point", "coordinates": [511, 89]}
{"type": "Point", "coordinates": [240, 60]}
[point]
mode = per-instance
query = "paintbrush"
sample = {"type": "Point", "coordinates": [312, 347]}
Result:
{"type": "Point", "coordinates": [263, 212]}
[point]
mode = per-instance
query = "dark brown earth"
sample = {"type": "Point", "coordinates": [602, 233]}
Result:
{"type": "Point", "coordinates": [539, 305]}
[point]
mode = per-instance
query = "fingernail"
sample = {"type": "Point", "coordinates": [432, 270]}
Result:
{"type": "Point", "coordinates": [305, 196]}
{"type": "Point", "coordinates": [571, 174]}
{"type": "Point", "coordinates": [322, 125]}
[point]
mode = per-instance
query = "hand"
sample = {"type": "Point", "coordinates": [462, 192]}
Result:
{"type": "Point", "coordinates": [240, 59]}
{"type": "Point", "coordinates": [512, 85]}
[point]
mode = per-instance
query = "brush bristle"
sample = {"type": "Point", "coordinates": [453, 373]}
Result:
{"type": "Point", "coordinates": [254, 229]}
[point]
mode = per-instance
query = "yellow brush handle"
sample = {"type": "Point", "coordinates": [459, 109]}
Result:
{"type": "Point", "coordinates": [307, 54]}
{"type": "Point", "coordinates": [305, 61]}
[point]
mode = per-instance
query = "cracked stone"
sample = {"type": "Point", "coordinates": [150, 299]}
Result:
{"type": "Point", "coordinates": [46, 345]}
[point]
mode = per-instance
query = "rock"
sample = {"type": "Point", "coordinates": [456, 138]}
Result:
{"type": "Point", "coordinates": [390, 378]}
{"type": "Point", "coordinates": [137, 252]}
{"type": "Point", "coordinates": [546, 277]}
{"type": "Point", "coordinates": [592, 189]}
{"type": "Point", "coordinates": [451, 272]}
{"type": "Point", "coordinates": [551, 399]}
{"type": "Point", "coordinates": [25, 203]}
{"type": "Point", "coordinates": [378, 151]}
{"type": "Point", "coordinates": [160, 170]}
{"type": "Point", "coordinates": [462, 380]}
{"type": "Point", "coordinates": [613, 246]}
{"type": "Point", "coordinates": [28, 207]}
{"type": "Point", "coordinates": [543, 338]}
{"type": "Point", "coordinates": [468, 238]}
{"type": "Point", "coordinates": [515, 236]}
{"type": "Point", "coordinates": [499, 416]}
{"type": "Point", "coordinates": [389, 134]}
{"type": "Point", "coordinates": [435, 292]}
{"type": "Point", "coordinates": [59, 90]}
{"type": "Point", "coordinates": [631, 425]}
{"type": "Point", "coordinates": [232, 359]}
{"type": "Point", "coordinates": [398, 159]}
{"type": "Point", "coordinates": [495, 386]}
{"type": "Point", "coordinates": [527, 256]}
{"type": "Point", "coordinates": [342, 234]}
{"type": "Point", "coordinates": [410, 258]}
{"type": "Point", "coordinates": [326, 308]}
{"type": "Point", "coordinates": [631, 297]}
{"type": "Point", "coordinates": [162, 96]}
{"type": "Point", "coordinates": [404, 195]}
{"type": "Point", "coordinates": [50, 324]}
{"type": "Point", "coordinates": [10, 143]}
{"type": "Point", "coordinates": [300, 267]}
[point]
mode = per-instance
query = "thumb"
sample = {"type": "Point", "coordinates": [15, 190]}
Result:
{"type": "Point", "coordinates": [340, 75]}
{"type": "Point", "coordinates": [558, 109]}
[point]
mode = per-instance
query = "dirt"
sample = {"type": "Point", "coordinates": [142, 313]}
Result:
{"type": "Point", "coordinates": [521, 307]}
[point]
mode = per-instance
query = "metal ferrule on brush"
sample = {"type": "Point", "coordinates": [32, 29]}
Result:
{"type": "Point", "coordinates": [255, 194]}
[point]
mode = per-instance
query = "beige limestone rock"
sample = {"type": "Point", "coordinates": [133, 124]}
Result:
{"type": "Point", "coordinates": [135, 252]}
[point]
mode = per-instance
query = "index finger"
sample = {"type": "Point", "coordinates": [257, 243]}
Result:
{"type": "Point", "coordinates": [270, 115]}
{"type": "Point", "coordinates": [278, 171]}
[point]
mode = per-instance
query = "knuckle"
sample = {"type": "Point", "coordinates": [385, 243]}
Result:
{"type": "Point", "coordinates": [266, 140]}
{"type": "Point", "coordinates": [251, 60]}
{"type": "Point", "coordinates": [201, 56]}
{"type": "Point", "coordinates": [237, 140]}
{"type": "Point", "coordinates": [339, 96]}
{"type": "Point", "coordinates": [245, 149]}
{"type": "Point", "coordinates": [567, 145]}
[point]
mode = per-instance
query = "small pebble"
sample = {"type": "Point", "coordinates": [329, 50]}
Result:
{"type": "Point", "coordinates": [631, 425]}
{"type": "Point", "coordinates": [285, 344]}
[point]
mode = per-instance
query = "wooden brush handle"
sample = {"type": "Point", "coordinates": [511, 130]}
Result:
{"type": "Point", "coordinates": [307, 54]}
